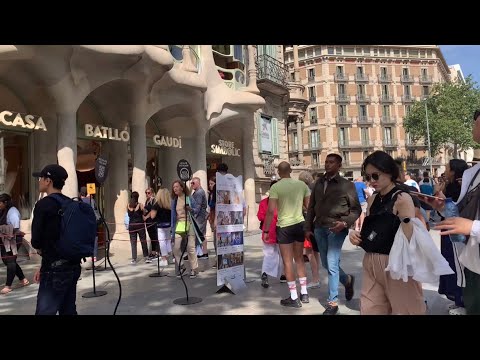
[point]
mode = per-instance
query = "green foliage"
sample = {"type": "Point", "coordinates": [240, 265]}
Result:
{"type": "Point", "coordinates": [450, 108]}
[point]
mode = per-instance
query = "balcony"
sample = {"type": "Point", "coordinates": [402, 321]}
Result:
{"type": "Point", "coordinates": [406, 78]}
{"type": "Point", "coordinates": [363, 98]}
{"type": "Point", "coordinates": [384, 78]}
{"type": "Point", "coordinates": [312, 98]}
{"type": "Point", "coordinates": [341, 77]}
{"type": "Point", "coordinates": [235, 52]}
{"type": "Point", "coordinates": [412, 144]}
{"type": "Point", "coordinates": [390, 143]}
{"type": "Point", "coordinates": [313, 120]}
{"type": "Point", "coordinates": [364, 120]}
{"type": "Point", "coordinates": [426, 79]}
{"type": "Point", "coordinates": [343, 144]}
{"type": "Point", "coordinates": [366, 144]}
{"type": "Point", "coordinates": [343, 120]}
{"type": "Point", "coordinates": [272, 75]}
{"type": "Point", "coordinates": [314, 146]}
{"type": "Point", "coordinates": [388, 120]}
{"type": "Point", "coordinates": [233, 78]}
{"type": "Point", "coordinates": [342, 98]}
{"type": "Point", "coordinates": [177, 52]}
{"type": "Point", "coordinates": [386, 99]}
{"type": "Point", "coordinates": [361, 77]}
{"type": "Point", "coordinates": [414, 162]}
{"type": "Point", "coordinates": [311, 79]}
{"type": "Point", "coordinates": [408, 98]}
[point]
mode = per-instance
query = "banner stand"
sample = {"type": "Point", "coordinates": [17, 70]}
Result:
{"type": "Point", "coordinates": [233, 286]}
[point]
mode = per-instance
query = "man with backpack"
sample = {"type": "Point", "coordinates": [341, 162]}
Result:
{"type": "Point", "coordinates": [63, 232]}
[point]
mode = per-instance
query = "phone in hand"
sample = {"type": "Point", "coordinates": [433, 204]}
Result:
{"type": "Point", "coordinates": [418, 194]}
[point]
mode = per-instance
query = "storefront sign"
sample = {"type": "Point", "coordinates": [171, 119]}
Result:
{"type": "Point", "coordinates": [28, 122]}
{"type": "Point", "coordinates": [225, 148]}
{"type": "Point", "coordinates": [168, 141]}
{"type": "Point", "coordinates": [104, 132]}
{"type": "Point", "coordinates": [268, 165]}
{"type": "Point", "coordinates": [266, 134]}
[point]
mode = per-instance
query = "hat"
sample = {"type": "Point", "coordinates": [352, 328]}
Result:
{"type": "Point", "coordinates": [53, 171]}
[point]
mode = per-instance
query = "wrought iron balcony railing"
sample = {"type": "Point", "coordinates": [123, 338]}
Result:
{"type": "Point", "coordinates": [364, 120]}
{"type": "Point", "coordinates": [387, 119]}
{"type": "Point", "coordinates": [425, 79]}
{"type": "Point", "coordinates": [408, 98]}
{"type": "Point", "coordinates": [384, 78]}
{"type": "Point", "coordinates": [406, 78]}
{"type": "Point", "coordinates": [363, 98]}
{"type": "Point", "coordinates": [385, 98]}
{"type": "Point", "coordinates": [343, 120]}
{"type": "Point", "coordinates": [340, 76]}
{"type": "Point", "coordinates": [271, 69]}
{"type": "Point", "coordinates": [342, 98]}
{"type": "Point", "coordinates": [389, 142]}
{"type": "Point", "coordinates": [361, 77]}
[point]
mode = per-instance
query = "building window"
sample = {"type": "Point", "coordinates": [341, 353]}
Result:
{"type": "Point", "coordinates": [429, 53]}
{"type": "Point", "coordinates": [396, 52]}
{"type": "Point", "coordinates": [313, 115]}
{"type": "Point", "coordinates": [362, 110]}
{"type": "Point", "coordinates": [338, 51]}
{"type": "Point", "coordinates": [413, 53]}
{"type": "Point", "coordinates": [387, 136]}
{"type": "Point", "coordinates": [346, 157]}
{"type": "Point", "coordinates": [315, 159]}
{"type": "Point", "coordinates": [422, 53]}
{"type": "Point", "coordinates": [404, 52]}
{"type": "Point", "coordinates": [314, 139]}
{"type": "Point", "coordinates": [342, 89]}
{"type": "Point", "coordinates": [359, 51]}
{"type": "Point", "coordinates": [405, 72]}
{"type": "Point", "coordinates": [375, 52]}
{"type": "Point", "coordinates": [366, 51]}
{"type": "Point", "coordinates": [364, 136]}
{"type": "Point", "coordinates": [318, 51]}
{"type": "Point", "coordinates": [311, 93]}
{"type": "Point", "coordinates": [301, 54]}
{"type": "Point", "coordinates": [407, 109]}
{"type": "Point", "coordinates": [360, 71]}
{"type": "Point", "coordinates": [361, 89]}
{"type": "Point", "coordinates": [384, 90]}
{"type": "Point", "coordinates": [295, 141]}
{"type": "Point", "coordinates": [408, 138]}
{"type": "Point", "coordinates": [342, 136]}
{"type": "Point", "coordinates": [425, 90]}
{"type": "Point", "coordinates": [311, 74]}
{"type": "Point", "coordinates": [339, 70]}
{"type": "Point", "coordinates": [330, 50]}
{"type": "Point", "coordinates": [292, 76]}
{"type": "Point", "coordinates": [349, 51]}
{"type": "Point", "coordinates": [342, 110]}
{"type": "Point", "coordinates": [406, 90]}
{"type": "Point", "coordinates": [309, 53]}
{"type": "Point", "coordinates": [386, 111]}
{"type": "Point", "coordinates": [381, 52]}
{"type": "Point", "coordinates": [412, 154]}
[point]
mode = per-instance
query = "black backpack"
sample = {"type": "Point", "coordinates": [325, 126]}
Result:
{"type": "Point", "coordinates": [78, 228]}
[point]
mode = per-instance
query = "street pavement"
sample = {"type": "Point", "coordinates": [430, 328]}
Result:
{"type": "Point", "coordinates": [143, 295]}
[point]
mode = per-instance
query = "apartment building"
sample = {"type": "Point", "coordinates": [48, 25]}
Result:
{"type": "Point", "coordinates": [358, 97]}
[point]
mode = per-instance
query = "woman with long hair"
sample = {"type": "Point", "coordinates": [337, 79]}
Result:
{"type": "Point", "coordinates": [448, 283]}
{"type": "Point", "coordinates": [181, 229]}
{"type": "Point", "coordinates": [163, 198]}
{"type": "Point", "coordinates": [137, 227]}
{"type": "Point", "coordinates": [387, 210]}
{"type": "Point", "coordinates": [212, 199]}
{"type": "Point", "coordinates": [150, 217]}
{"type": "Point", "coordinates": [11, 238]}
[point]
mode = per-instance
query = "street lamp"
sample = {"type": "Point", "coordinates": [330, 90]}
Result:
{"type": "Point", "coordinates": [428, 138]}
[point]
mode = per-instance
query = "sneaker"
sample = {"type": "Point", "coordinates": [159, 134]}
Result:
{"type": "Point", "coordinates": [313, 285]}
{"type": "Point", "coordinates": [265, 281]}
{"type": "Point", "coordinates": [163, 263]}
{"type": "Point", "coordinates": [193, 274]}
{"type": "Point", "coordinates": [349, 291]}
{"type": "Point", "coordinates": [457, 311]}
{"type": "Point", "coordinates": [304, 298]}
{"type": "Point", "coordinates": [291, 303]}
{"type": "Point", "coordinates": [133, 262]}
{"type": "Point", "coordinates": [332, 309]}
{"type": "Point", "coordinates": [452, 306]}
{"type": "Point", "coordinates": [283, 279]}
{"type": "Point", "coordinates": [148, 260]}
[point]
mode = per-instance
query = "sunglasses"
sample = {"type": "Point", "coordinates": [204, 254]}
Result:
{"type": "Point", "coordinates": [374, 176]}
{"type": "Point", "coordinates": [147, 192]}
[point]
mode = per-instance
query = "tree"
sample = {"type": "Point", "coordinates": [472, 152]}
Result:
{"type": "Point", "coordinates": [450, 108]}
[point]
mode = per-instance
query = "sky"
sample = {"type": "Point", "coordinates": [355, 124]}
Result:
{"type": "Point", "coordinates": [467, 56]}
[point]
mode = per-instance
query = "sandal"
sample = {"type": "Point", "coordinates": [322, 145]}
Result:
{"type": "Point", "coordinates": [5, 290]}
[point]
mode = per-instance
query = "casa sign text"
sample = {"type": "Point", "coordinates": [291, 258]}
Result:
{"type": "Point", "coordinates": [27, 122]}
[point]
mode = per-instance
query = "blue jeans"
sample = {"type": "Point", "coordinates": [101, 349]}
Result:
{"type": "Point", "coordinates": [330, 247]}
{"type": "Point", "coordinates": [58, 291]}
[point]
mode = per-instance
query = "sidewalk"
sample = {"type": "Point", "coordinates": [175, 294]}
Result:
{"type": "Point", "coordinates": [143, 295]}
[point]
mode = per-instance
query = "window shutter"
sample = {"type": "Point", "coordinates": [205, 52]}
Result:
{"type": "Point", "coordinates": [275, 136]}
{"type": "Point", "coordinates": [259, 132]}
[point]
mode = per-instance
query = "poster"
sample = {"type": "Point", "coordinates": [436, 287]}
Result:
{"type": "Point", "coordinates": [229, 212]}
{"type": "Point", "coordinates": [266, 134]}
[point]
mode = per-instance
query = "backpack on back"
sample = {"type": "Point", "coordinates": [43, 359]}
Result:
{"type": "Point", "coordinates": [78, 228]}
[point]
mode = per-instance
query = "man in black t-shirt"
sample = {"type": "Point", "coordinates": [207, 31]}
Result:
{"type": "Point", "coordinates": [57, 277]}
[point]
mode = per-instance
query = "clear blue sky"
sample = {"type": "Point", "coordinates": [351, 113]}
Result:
{"type": "Point", "coordinates": [468, 56]}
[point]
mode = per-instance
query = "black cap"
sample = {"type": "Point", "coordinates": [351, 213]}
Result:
{"type": "Point", "coordinates": [53, 171]}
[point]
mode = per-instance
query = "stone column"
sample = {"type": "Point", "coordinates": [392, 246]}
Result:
{"type": "Point", "coordinates": [252, 71]}
{"type": "Point", "coordinates": [300, 138]}
{"type": "Point", "coordinates": [199, 166]}
{"type": "Point", "coordinates": [67, 150]}
{"type": "Point", "coordinates": [138, 146]}
{"type": "Point", "coordinates": [249, 174]}
{"type": "Point", "coordinates": [295, 63]}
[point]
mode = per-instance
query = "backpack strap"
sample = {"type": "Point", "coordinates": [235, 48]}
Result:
{"type": "Point", "coordinates": [60, 200]}
{"type": "Point", "coordinates": [389, 206]}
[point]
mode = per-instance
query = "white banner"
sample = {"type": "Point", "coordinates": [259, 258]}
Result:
{"type": "Point", "coordinates": [229, 216]}
{"type": "Point", "coordinates": [266, 134]}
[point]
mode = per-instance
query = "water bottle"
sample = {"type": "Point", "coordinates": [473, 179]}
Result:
{"type": "Point", "coordinates": [451, 210]}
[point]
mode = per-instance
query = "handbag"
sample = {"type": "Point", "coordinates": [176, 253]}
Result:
{"type": "Point", "coordinates": [182, 227]}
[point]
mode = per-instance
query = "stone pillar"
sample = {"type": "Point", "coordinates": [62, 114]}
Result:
{"type": "Point", "coordinates": [138, 146]}
{"type": "Point", "coordinates": [252, 71]}
{"type": "Point", "coordinates": [300, 138]}
{"type": "Point", "coordinates": [199, 166]}
{"type": "Point", "coordinates": [187, 64]}
{"type": "Point", "coordinates": [249, 175]}
{"type": "Point", "coordinates": [67, 150]}
{"type": "Point", "coordinates": [295, 63]}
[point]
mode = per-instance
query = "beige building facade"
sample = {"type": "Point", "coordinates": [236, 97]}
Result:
{"type": "Point", "coordinates": [358, 97]}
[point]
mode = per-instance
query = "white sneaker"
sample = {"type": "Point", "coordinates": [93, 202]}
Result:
{"type": "Point", "coordinates": [148, 260]}
{"type": "Point", "coordinates": [452, 306]}
{"type": "Point", "coordinates": [133, 262]}
{"type": "Point", "coordinates": [313, 285]}
{"type": "Point", "coordinates": [458, 311]}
